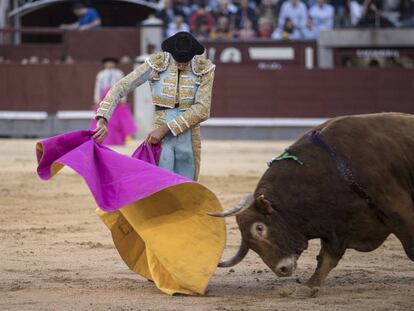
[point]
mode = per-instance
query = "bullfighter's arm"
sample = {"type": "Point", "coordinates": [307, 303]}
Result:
{"type": "Point", "coordinates": [199, 111]}
{"type": "Point", "coordinates": [137, 77]}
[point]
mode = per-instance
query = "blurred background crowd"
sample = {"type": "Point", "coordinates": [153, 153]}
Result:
{"type": "Point", "coordinates": [280, 19]}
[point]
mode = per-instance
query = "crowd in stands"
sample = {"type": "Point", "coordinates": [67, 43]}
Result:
{"type": "Point", "coordinates": [280, 19]}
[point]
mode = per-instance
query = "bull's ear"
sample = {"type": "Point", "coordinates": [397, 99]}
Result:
{"type": "Point", "coordinates": [263, 205]}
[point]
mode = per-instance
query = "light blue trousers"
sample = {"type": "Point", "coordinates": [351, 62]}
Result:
{"type": "Point", "coordinates": [177, 151]}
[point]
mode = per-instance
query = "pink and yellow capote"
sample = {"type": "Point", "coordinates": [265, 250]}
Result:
{"type": "Point", "coordinates": [158, 219]}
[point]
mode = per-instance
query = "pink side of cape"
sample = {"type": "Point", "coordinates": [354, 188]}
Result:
{"type": "Point", "coordinates": [114, 179]}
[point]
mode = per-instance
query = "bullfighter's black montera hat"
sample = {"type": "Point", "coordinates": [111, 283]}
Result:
{"type": "Point", "coordinates": [182, 46]}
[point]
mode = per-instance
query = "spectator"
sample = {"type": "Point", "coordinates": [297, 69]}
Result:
{"type": "Point", "coordinates": [68, 60]}
{"type": "Point", "coordinates": [227, 9]}
{"type": "Point", "coordinates": [372, 15]}
{"type": "Point", "coordinates": [247, 32]}
{"type": "Point", "coordinates": [390, 10]}
{"type": "Point", "coordinates": [309, 32]}
{"type": "Point", "coordinates": [201, 21]}
{"type": "Point", "coordinates": [245, 13]}
{"type": "Point", "coordinates": [177, 26]}
{"type": "Point", "coordinates": [407, 13]}
{"type": "Point", "coordinates": [222, 30]}
{"type": "Point", "coordinates": [322, 15]}
{"type": "Point", "coordinates": [168, 13]}
{"type": "Point", "coordinates": [265, 27]}
{"type": "Point", "coordinates": [88, 18]}
{"type": "Point", "coordinates": [287, 32]}
{"type": "Point", "coordinates": [126, 60]}
{"type": "Point", "coordinates": [183, 7]}
{"type": "Point", "coordinates": [107, 77]}
{"type": "Point", "coordinates": [34, 60]}
{"type": "Point", "coordinates": [295, 11]}
{"type": "Point", "coordinates": [340, 8]}
{"type": "Point", "coordinates": [45, 61]}
{"type": "Point", "coordinates": [355, 12]}
{"type": "Point", "coordinates": [267, 10]}
{"type": "Point", "coordinates": [213, 5]}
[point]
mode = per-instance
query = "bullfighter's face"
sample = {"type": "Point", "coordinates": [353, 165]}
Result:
{"type": "Point", "coordinates": [265, 232]}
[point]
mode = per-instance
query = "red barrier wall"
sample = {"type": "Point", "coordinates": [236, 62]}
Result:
{"type": "Point", "coordinates": [238, 91]}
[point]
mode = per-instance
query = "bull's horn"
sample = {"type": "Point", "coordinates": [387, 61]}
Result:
{"type": "Point", "coordinates": [241, 253]}
{"type": "Point", "coordinates": [239, 208]}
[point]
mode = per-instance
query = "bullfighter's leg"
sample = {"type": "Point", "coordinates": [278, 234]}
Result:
{"type": "Point", "coordinates": [167, 158]}
{"type": "Point", "coordinates": [184, 156]}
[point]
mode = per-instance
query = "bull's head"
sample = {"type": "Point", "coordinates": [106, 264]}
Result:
{"type": "Point", "coordinates": [266, 232]}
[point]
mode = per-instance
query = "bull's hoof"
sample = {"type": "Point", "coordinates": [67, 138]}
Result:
{"type": "Point", "coordinates": [303, 292]}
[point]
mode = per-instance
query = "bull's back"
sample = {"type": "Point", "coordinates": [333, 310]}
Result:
{"type": "Point", "coordinates": [386, 137]}
{"type": "Point", "coordinates": [379, 149]}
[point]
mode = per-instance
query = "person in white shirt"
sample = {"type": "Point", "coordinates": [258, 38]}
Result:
{"type": "Point", "coordinates": [309, 32]}
{"type": "Point", "coordinates": [107, 77]}
{"type": "Point", "coordinates": [296, 11]}
{"type": "Point", "coordinates": [323, 15]}
{"type": "Point", "coordinates": [177, 26]}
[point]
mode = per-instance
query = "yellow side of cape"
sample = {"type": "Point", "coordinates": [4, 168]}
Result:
{"type": "Point", "coordinates": [169, 238]}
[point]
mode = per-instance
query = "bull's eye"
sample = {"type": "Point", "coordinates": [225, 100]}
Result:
{"type": "Point", "coordinates": [259, 230]}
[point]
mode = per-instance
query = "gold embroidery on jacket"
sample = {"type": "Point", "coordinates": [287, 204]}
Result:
{"type": "Point", "coordinates": [170, 80]}
{"type": "Point", "coordinates": [186, 82]}
{"type": "Point", "coordinates": [159, 118]}
{"type": "Point", "coordinates": [163, 102]}
{"type": "Point", "coordinates": [169, 91]}
{"type": "Point", "coordinates": [159, 61]}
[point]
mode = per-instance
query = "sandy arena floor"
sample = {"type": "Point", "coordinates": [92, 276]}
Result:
{"type": "Point", "coordinates": [55, 254]}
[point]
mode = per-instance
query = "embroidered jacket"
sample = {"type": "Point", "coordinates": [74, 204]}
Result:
{"type": "Point", "coordinates": [191, 89]}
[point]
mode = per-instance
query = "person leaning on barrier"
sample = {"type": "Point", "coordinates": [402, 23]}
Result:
{"type": "Point", "coordinates": [88, 18]}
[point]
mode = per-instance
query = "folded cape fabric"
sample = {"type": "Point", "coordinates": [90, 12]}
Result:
{"type": "Point", "coordinates": [157, 218]}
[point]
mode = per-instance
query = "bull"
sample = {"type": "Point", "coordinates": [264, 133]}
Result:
{"type": "Point", "coordinates": [348, 182]}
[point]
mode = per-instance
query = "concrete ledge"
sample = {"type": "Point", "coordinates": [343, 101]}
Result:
{"type": "Point", "coordinates": [23, 115]}
{"type": "Point", "coordinates": [263, 122]}
{"type": "Point", "coordinates": [257, 128]}
{"type": "Point", "coordinates": [346, 38]}
{"type": "Point", "coordinates": [40, 124]}
{"type": "Point", "coordinates": [75, 114]}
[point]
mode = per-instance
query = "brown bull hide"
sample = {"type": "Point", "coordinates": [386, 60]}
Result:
{"type": "Point", "coordinates": [295, 203]}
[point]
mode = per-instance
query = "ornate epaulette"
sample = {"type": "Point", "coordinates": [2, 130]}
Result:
{"type": "Point", "coordinates": [201, 65]}
{"type": "Point", "coordinates": [159, 61]}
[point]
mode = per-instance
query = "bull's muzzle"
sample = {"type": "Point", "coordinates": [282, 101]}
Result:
{"type": "Point", "coordinates": [285, 267]}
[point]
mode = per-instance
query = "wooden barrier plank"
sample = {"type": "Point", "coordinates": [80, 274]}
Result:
{"type": "Point", "coordinates": [238, 92]}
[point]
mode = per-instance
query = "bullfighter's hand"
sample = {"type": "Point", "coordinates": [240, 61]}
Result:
{"type": "Point", "coordinates": [101, 130]}
{"type": "Point", "coordinates": [157, 135]}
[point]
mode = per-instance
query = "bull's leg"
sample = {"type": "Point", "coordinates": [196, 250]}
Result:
{"type": "Point", "coordinates": [327, 259]}
{"type": "Point", "coordinates": [401, 219]}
